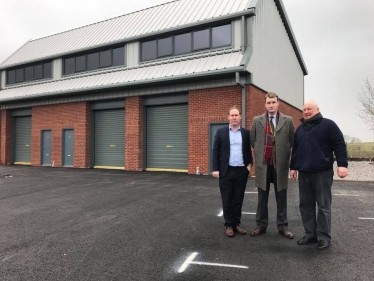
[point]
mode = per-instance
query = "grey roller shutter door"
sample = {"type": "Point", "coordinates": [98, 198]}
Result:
{"type": "Point", "coordinates": [23, 139]}
{"type": "Point", "coordinates": [167, 137]}
{"type": "Point", "coordinates": [110, 138]}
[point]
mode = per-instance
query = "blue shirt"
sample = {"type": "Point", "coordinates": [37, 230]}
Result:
{"type": "Point", "coordinates": [236, 148]}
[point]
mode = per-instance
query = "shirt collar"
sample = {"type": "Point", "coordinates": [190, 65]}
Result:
{"type": "Point", "coordinates": [231, 128]}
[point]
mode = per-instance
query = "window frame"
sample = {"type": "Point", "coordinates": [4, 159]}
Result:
{"type": "Point", "coordinates": [23, 68]}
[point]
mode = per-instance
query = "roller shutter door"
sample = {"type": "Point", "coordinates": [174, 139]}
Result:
{"type": "Point", "coordinates": [167, 137]}
{"type": "Point", "coordinates": [22, 153]}
{"type": "Point", "coordinates": [110, 138]}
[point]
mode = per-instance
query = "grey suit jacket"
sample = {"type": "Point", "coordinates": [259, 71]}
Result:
{"type": "Point", "coordinates": [283, 141]}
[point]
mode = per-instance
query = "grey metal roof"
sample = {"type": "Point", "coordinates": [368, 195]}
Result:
{"type": "Point", "coordinates": [214, 62]}
{"type": "Point", "coordinates": [153, 20]}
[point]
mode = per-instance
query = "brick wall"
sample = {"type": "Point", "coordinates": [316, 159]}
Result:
{"type": "Point", "coordinates": [56, 118]}
{"type": "Point", "coordinates": [134, 134]}
{"type": "Point", "coordinates": [205, 107]}
{"type": "Point", "coordinates": [5, 137]}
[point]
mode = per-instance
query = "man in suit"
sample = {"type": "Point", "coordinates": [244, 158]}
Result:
{"type": "Point", "coordinates": [272, 136]}
{"type": "Point", "coordinates": [317, 140]}
{"type": "Point", "coordinates": [232, 161]}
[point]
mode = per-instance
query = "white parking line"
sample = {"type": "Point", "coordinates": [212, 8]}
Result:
{"type": "Point", "coordinates": [361, 218]}
{"type": "Point", "coordinates": [244, 213]}
{"type": "Point", "coordinates": [337, 194]}
{"type": "Point", "coordinates": [254, 192]}
{"type": "Point", "coordinates": [190, 259]}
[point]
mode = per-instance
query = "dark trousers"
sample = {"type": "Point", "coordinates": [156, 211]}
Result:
{"type": "Point", "coordinates": [316, 188]}
{"type": "Point", "coordinates": [262, 216]}
{"type": "Point", "coordinates": [232, 187]}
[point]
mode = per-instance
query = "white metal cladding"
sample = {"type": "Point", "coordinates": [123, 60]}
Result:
{"type": "Point", "coordinates": [172, 68]}
{"type": "Point", "coordinates": [154, 19]}
{"type": "Point", "coordinates": [273, 64]}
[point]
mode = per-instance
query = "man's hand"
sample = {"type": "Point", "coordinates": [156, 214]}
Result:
{"type": "Point", "coordinates": [293, 175]}
{"type": "Point", "coordinates": [342, 172]}
{"type": "Point", "coordinates": [215, 174]}
{"type": "Point", "coordinates": [249, 167]}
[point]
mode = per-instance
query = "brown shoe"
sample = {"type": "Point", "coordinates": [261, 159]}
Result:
{"type": "Point", "coordinates": [287, 234]}
{"type": "Point", "coordinates": [229, 231]}
{"type": "Point", "coordinates": [258, 232]}
{"type": "Point", "coordinates": [240, 230]}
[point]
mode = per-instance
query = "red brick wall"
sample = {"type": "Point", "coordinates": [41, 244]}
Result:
{"type": "Point", "coordinates": [205, 107]}
{"type": "Point", "coordinates": [134, 134]}
{"type": "Point", "coordinates": [56, 118]}
{"type": "Point", "coordinates": [5, 137]}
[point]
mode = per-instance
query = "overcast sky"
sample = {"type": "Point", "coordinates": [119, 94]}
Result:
{"type": "Point", "coordinates": [336, 39]}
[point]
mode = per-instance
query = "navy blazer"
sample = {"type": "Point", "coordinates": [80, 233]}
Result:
{"type": "Point", "coordinates": [221, 149]}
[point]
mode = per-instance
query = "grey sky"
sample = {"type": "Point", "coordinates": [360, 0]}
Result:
{"type": "Point", "coordinates": [335, 37]}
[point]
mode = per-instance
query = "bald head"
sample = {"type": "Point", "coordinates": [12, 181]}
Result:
{"type": "Point", "coordinates": [310, 109]}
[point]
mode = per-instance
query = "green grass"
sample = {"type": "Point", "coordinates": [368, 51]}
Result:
{"type": "Point", "coordinates": [361, 150]}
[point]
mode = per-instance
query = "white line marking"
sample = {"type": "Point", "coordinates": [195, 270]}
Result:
{"type": "Point", "coordinates": [187, 262]}
{"type": "Point", "coordinates": [220, 214]}
{"type": "Point", "coordinates": [251, 192]}
{"type": "Point", "coordinates": [346, 195]}
{"type": "Point", "coordinates": [360, 218]}
{"type": "Point", "coordinates": [246, 213]}
{"type": "Point", "coordinates": [219, 264]}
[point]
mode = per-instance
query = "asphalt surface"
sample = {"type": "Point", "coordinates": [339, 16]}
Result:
{"type": "Point", "coordinates": [72, 224]}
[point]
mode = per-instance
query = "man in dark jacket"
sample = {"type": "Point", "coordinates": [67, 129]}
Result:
{"type": "Point", "coordinates": [232, 161]}
{"type": "Point", "coordinates": [312, 156]}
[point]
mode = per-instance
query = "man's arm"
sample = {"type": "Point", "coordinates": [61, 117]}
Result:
{"type": "Point", "coordinates": [291, 132]}
{"type": "Point", "coordinates": [252, 135]}
{"type": "Point", "coordinates": [216, 154]}
{"type": "Point", "coordinates": [340, 150]}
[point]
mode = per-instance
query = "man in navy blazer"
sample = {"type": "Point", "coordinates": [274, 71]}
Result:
{"type": "Point", "coordinates": [232, 161]}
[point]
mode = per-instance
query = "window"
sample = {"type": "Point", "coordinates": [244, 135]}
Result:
{"type": "Point", "coordinates": [47, 70]}
{"type": "Point", "coordinates": [185, 43]}
{"type": "Point", "coordinates": [119, 56]}
{"type": "Point", "coordinates": [201, 39]}
{"type": "Point", "coordinates": [165, 47]}
{"type": "Point", "coordinates": [149, 50]}
{"type": "Point", "coordinates": [19, 75]}
{"type": "Point", "coordinates": [69, 66]}
{"type": "Point", "coordinates": [11, 76]}
{"type": "Point", "coordinates": [93, 61]}
{"type": "Point", "coordinates": [182, 44]}
{"type": "Point", "coordinates": [38, 71]}
{"type": "Point", "coordinates": [221, 36]}
{"type": "Point", "coordinates": [80, 63]}
{"type": "Point", "coordinates": [105, 58]}
{"type": "Point", "coordinates": [29, 73]}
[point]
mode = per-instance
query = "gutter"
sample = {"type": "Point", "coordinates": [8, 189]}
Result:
{"type": "Point", "coordinates": [237, 80]}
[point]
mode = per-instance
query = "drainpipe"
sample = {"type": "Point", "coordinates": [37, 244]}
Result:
{"type": "Point", "coordinates": [237, 80]}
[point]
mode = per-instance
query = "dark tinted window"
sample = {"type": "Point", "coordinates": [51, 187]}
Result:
{"type": "Point", "coordinates": [38, 71]}
{"type": "Point", "coordinates": [93, 61]}
{"type": "Point", "coordinates": [11, 76]}
{"type": "Point", "coordinates": [19, 75]}
{"type": "Point", "coordinates": [105, 58]}
{"type": "Point", "coordinates": [80, 63]}
{"type": "Point", "coordinates": [69, 66]}
{"type": "Point", "coordinates": [182, 44]}
{"type": "Point", "coordinates": [149, 50]}
{"type": "Point", "coordinates": [201, 39]}
{"type": "Point", "coordinates": [29, 73]}
{"type": "Point", "coordinates": [47, 70]}
{"type": "Point", "coordinates": [119, 56]}
{"type": "Point", "coordinates": [165, 47]}
{"type": "Point", "coordinates": [221, 36]}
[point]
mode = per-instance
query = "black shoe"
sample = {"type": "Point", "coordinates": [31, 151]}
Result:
{"type": "Point", "coordinates": [306, 241]}
{"type": "Point", "coordinates": [323, 245]}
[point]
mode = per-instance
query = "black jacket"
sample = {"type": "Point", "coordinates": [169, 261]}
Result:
{"type": "Point", "coordinates": [314, 144]}
{"type": "Point", "coordinates": [221, 149]}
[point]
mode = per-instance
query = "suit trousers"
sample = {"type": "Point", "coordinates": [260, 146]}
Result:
{"type": "Point", "coordinates": [262, 215]}
{"type": "Point", "coordinates": [315, 187]}
{"type": "Point", "coordinates": [232, 187]}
